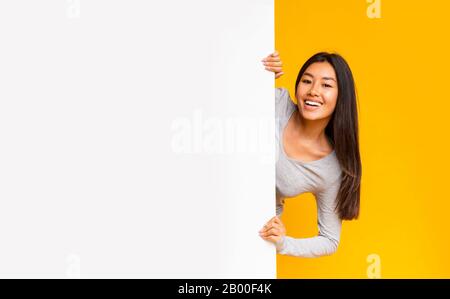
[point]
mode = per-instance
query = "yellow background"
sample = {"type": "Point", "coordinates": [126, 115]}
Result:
{"type": "Point", "coordinates": [400, 63]}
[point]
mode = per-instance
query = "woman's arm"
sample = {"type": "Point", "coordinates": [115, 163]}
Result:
{"type": "Point", "coordinates": [327, 241]}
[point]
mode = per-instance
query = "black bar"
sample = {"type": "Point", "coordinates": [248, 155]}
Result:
{"type": "Point", "coordinates": [299, 288]}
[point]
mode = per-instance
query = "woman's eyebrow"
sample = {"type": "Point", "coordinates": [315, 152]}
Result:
{"type": "Point", "coordinates": [325, 78]}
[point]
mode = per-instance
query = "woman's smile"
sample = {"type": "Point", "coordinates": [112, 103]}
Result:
{"type": "Point", "coordinates": [312, 105]}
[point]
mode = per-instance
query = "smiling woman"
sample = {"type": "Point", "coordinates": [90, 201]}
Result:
{"type": "Point", "coordinates": [319, 151]}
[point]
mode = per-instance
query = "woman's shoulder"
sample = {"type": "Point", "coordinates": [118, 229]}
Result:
{"type": "Point", "coordinates": [281, 92]}
{"type": "Point", "coordinates": [284, 104]}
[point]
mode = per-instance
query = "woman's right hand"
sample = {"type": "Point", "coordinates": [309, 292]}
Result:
{"type": "Point", "coordinates": [273, 64]}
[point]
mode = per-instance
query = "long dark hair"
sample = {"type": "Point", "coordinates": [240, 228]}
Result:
{"type": "Point", "coordinates": [342, 130]}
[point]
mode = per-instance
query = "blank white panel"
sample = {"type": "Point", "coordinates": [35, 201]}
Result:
{"type": "Point", "coordinates": [136, 139]}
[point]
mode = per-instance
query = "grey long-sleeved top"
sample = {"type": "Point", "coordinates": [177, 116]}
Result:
{"type": "Point", "coordinates": [293, 177]}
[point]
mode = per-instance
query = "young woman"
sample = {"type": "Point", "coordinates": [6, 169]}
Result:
{"type": "Point", "coordinates": [318, 151]}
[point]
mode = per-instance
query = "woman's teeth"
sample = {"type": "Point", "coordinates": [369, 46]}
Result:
{"type": "Point", "coordinates": [311, 103]}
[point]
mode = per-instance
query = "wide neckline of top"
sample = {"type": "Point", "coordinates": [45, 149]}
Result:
{"type": "Point", "coordinates": [283, 127]}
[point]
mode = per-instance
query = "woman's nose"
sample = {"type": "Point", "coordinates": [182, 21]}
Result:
{"type": "Point", "coordinates": [313, 92]}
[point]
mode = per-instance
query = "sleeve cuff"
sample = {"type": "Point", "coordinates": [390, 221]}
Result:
{"type": "Point", "coordinates": [280, 244]}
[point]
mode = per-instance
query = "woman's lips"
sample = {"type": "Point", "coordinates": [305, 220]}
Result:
{"type": "Point", "coordinates": [310, 107]}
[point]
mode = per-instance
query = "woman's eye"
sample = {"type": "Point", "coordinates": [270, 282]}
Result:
{"type": "Point", "coordinates": [306, 81]}
{"type": "Point", "coordinates": [327, 85]}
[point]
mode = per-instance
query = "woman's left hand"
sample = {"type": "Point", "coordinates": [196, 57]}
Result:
{"type": "Point", "coordinates": [273, 230]}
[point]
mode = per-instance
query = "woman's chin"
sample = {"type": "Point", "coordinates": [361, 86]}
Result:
{"type": "Point", "coordinates": [308, 115]}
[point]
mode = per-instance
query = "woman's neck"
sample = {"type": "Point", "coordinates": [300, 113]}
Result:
{"type": "Point", "coordinates": [311, 131]}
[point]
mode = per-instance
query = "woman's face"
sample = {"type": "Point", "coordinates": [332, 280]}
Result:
{"type": "Point", "coordinates": [318, 85]}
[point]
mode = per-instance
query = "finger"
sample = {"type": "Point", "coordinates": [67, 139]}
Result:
{"type": "Point", "coordinates": [264, 228]}
{"type": "Point", "coordinates": [276, 225]}
{"type": "Point", "coordinates": [278, 228]}
{"type": "Point", "coordinates": [267, 233]}
{"type": "Point", "coordinates": [278, 75]}
{"type": "Point", "coordinates": [272, 231]}
{"type": "Point", "coordinates": [270, 58]}
{"type": "Point", "coordinates": [262, 235]}
{"type": "Point", "coordinates": [273, 222]}
{"type": "Point", "coordinates": [270, 223]}
{"type": "Point", "coordinates": [273, 69]}
{"type": "Point", "coordinates": [274, 54]}
{"type": "Point", "coordinates": [267, 229]}
{"type": "Point", "coordinates": [273, 63]}
{"type": "Point", "coordinates": [271, 238]}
